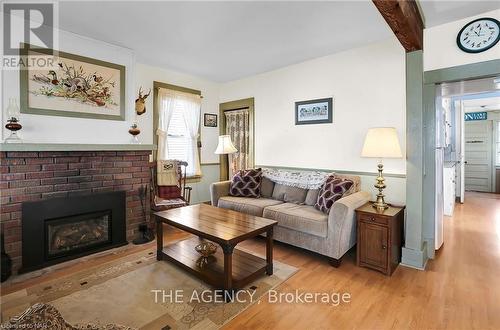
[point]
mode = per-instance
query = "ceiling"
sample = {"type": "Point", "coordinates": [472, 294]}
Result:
{"type": "Point", "coordinates": [444, 11]}
{"type": "Point", "coordinates": [223, 41]}
{"type": "Point", "coordinates": [228, 40]}
{"type": "Point", "coordinates": [484, 104]}
{"type": "Point", "coordinates": [469, 87]}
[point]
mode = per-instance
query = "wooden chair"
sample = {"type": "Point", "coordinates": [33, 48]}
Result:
{"type": "Point", "coordinates": [169, 197]}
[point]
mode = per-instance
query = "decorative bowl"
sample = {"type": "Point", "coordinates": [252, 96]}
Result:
{"type": "Point", "coordinates": [206, 249]}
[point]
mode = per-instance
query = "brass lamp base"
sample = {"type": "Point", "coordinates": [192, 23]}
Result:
{"type": "Point", "coordinates": [380, 185]}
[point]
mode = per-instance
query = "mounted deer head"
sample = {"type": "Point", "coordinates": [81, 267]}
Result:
{"type": "Point", "coordinates": [140, 102]}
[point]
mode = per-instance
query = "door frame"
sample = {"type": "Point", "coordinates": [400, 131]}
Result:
{"type": "Point", "coordinates": [229, 106]}
{"type": "Point", "coordinates": [431, 79]}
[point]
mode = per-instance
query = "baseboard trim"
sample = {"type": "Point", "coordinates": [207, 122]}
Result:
{"type": "Point", "coordinates": [414, 267]}
{"type": "Point", "coordinates": [414, 258]}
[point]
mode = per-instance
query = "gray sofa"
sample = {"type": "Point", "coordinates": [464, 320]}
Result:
{"type": "Point", "coordinates": [299, 223]}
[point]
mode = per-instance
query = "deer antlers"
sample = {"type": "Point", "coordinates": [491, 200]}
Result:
{"type": "Point", "coordinates": [140, 102]}
{"type": "Point", "coordinates": [145, 95]}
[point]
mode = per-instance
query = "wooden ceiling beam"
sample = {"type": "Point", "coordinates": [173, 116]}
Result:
{"type": "Point", "coordinates": [405, 21]}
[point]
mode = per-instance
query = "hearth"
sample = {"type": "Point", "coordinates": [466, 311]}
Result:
{"type": "Point", "coordinates": [60, 229]}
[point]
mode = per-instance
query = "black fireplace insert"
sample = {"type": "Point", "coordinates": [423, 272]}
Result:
{"type": "Point", "coordinates": [60, 229]}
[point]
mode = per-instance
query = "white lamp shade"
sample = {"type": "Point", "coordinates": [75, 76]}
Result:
{"type": "Point", "coordinates": [225, 145]}
{"type": "Point", "coordinates": [382, 142]}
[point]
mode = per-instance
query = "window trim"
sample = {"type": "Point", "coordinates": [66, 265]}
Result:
{"type": "Point", "coordinates": [156, 86]}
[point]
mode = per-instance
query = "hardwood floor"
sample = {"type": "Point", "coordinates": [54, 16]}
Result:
{"type": "Point", "coordinates": [460, 288]}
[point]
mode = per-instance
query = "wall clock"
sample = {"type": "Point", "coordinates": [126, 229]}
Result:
{"type": "Point", "coordinates": [479, 35]}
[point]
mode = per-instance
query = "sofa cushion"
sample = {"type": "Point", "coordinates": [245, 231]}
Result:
{"type": "Point", "coordinates": [311, 197]}
{"type": "Point", "coordinates": [356, 183]}
{"type": "Point", "coordinates": [289, 194]}
{"type": "Point", "coordinates": [303, 218]}
{"type": "Point", "coordinates": [246, 183]}
{"type": "Point", "coordinates": [332, 190]}
{"type": "Point", "coordinates": [296, 196]}
{"type": "Point", "coordinates": [248, 205]}
{"type": "Point", "coordinates": [266, 187]}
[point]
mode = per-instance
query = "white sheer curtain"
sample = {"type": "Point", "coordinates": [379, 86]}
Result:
{"type": "Point", "coordinates": [190, 107]}
{"type": "Point", "coordinates": [166, 103]}
{"type": "Point", "coordinates": [192, 119]}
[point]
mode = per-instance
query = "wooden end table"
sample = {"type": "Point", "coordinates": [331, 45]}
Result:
{"type": "Point", "coordinates": [380, 237]}
{"type": "Point", "coordinates": [232, 268]}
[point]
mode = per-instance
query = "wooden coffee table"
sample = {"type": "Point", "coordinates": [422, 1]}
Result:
{"type": "Point", "coordinates": [232, 268]}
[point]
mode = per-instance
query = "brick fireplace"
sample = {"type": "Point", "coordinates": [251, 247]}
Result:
{"type": "Point", "coordinates": [38, 175]}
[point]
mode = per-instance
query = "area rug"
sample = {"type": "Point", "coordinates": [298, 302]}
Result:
{"type": "Point", "coordinates": [139, 292]}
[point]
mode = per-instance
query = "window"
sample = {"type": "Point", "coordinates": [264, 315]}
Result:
{"type": "Point", "coordinates": [178, 128]}
{"type": "Point", "coordinates": [178, 138]}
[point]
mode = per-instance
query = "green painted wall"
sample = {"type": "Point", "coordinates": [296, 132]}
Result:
{"type": "Point", "coordinates": [201, 189]}
{"type": "Point", "coordinates": [412, 254]}
{"type": "Point", "coordinates": [429, 184]}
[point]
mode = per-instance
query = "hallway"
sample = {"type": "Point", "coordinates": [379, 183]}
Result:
{"type": "Point", "coordinates": [467, 267]}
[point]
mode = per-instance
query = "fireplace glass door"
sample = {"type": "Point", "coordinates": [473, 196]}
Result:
{"type": "Point", "coordinates": [74, 234]}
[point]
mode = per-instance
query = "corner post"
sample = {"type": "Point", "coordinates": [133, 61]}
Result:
{"type": "Point", "coordinates": [414, 254]}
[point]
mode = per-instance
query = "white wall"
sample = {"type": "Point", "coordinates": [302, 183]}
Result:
{"type": "Point", "coordinates": [368, 87]}
{"type": "Point", "coordinates": [441, 50]}
{"type": "Point", "coordinates": [56, 129]}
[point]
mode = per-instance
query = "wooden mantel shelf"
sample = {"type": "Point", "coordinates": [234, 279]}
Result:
{"type": "Point", "coordinates": [74, 147]}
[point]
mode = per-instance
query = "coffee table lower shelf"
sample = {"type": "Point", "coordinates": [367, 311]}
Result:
{"type": "Point", "coordinates": [246, 267]}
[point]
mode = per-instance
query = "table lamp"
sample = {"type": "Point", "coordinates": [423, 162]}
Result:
{"type": "Point", "coordinates": [225, 146]}
{"type": "Point", "coordinates": [381, 142]}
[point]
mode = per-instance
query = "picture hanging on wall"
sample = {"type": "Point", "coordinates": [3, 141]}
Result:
{"type": "Point", "coordinates": [74, 86]}
{"type": "Point", "coordinates": [314, 111]}
{"type": "Point", "coordinates": [210, 120]}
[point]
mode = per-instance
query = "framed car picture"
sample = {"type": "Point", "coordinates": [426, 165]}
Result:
{"type": "Point", "coordinates": [210, 120]}
{"type": "Point", "coordinates": [318, 111]}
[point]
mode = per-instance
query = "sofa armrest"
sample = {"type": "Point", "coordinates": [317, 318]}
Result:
{"type": "Point", "coordinates": [342, 222]}
{"type": "Point", "coordinates": [218, 190]}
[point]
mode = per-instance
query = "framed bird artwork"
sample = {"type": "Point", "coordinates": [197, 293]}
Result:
{"type": "Point", "coordinates": [71, 85]}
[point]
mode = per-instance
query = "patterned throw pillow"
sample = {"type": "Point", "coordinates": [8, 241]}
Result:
{"type": "Point", "coordinates": [332, 190]}
{"type": "Point", "coordinates": [246, 183]}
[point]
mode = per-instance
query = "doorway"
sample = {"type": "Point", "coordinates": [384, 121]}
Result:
{"type": "Point", "coordinates": [470, 110]}
{"type": "Point", "coordinates": [237, 119]}
{"type": "Point", "coordinates": [465, 145]}
{"type": "Point", "coordinates": [467, 80]}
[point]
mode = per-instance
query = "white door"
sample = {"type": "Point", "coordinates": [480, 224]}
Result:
{"type": "Point", "coordinates": [478, 156]}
